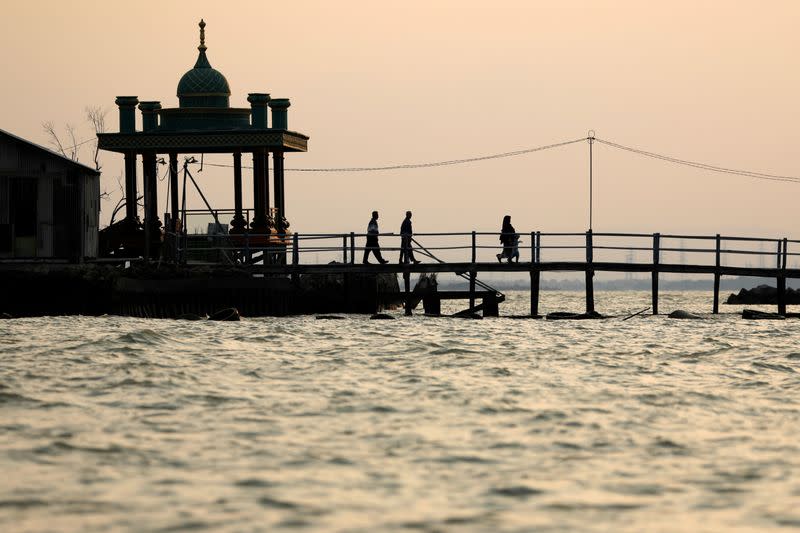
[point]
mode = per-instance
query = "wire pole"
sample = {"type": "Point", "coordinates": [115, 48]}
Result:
{"type": "Point", "coordinates": [590, 138]}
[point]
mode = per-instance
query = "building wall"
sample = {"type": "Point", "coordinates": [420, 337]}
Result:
{"type": "Point", "coordinates": [63, 199]}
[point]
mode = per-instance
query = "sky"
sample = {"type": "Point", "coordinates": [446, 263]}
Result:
{"type": "Point", "coordinates": [380, 83]}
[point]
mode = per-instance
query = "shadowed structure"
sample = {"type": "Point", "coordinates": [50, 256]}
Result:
{"type": "Point", "coordinates": [203, 122]}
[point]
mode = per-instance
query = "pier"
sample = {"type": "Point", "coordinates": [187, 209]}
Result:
{"type": "Point", "coordinates": [469, 254]}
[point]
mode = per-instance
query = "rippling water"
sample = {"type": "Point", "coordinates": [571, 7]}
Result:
{"type": "Point", "coordinates": [416, 424]}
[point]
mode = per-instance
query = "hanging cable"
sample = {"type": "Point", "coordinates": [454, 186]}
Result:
{"type": "Point", "coordinates": [423, 165]}
{"type": "Point", "coordinates": [702, 166]}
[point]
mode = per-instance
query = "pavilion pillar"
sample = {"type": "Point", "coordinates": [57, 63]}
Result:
{"type": "Point", "coordinates": [280, 204]}
{"type": "Point", "coordinates": [173, 187]}
{"type": "Point", "coordinates": [131, 211]}
{"type": "Point", "coordinates": [238, 223]}
{"type": "Point", "coordinates": [259, 224]}
{"type": "Point", "coordinates": [150, 180]}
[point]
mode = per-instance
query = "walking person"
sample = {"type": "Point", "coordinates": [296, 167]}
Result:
{"type": "Point", "coordinates": [372, 241]}
{"type": "Point", "coordinates": [406, 250]}
{"type": "Point", "coordinates": [508, 237]}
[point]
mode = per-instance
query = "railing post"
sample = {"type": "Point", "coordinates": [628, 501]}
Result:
{"type": "Point", "coordinates": [782, 277]}
{"type": "Point", "coordinates": [533, 247]}
{"type": "Point", "coordinates": [344, 249]}
{"type": "Point", "coordinates": [473, 248]}
{"type": "Point", "coordinates": [352, 247]}
{"type": "Point", "coordinates": [717, 264]}
{"type": "Point", "coordinates": [295, 249]}
{"type": "Point", "coordinates": [538, 247]}
{"type": "Point", "coordinates": [589, 273]}
{"type": "Point", "coordinates": [654, 273]}
{"type": "Point", "coordinates": [534, 273]}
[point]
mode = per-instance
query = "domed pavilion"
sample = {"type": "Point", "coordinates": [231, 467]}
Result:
{"type": "Point", "coordinates": [204, 122]}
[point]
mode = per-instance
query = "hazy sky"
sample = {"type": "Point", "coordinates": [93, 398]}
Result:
{"type": "Point", "coordinates": [378, 83]}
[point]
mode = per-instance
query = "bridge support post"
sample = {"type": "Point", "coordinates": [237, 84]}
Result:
{"type": "Point", "coordinates": [407, 287]}
{"type": "Point", "coordinates": [654, 274]}
{"type": "Point", "coordinates": [535, 292]}
{"type": "Point", "coordinates": [717, 262]}
{"type": "Point", "coordinates": [782, 277]}
{"type": "Point", "coordinates": [535, 274]}
{"type": "Point", "coordinates": [589, 274]}
{"type": "Point", "coordinates": [472, 276]}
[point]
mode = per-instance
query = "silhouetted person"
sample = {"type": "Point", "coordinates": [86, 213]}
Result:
{"type": "Point", "coordinates": [372, 240]}
{"type": "Point", "coordinates": [508, 237]}
{"type": "Point", "coordinates": [406, 250]}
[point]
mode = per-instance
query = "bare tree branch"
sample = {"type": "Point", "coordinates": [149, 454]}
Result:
{"type": "Point", "coordinates": [54, 140]}
{"type": "Point", "coordinates": [74, 147]}
{"type": "Point", "coordinates": [96, 116]}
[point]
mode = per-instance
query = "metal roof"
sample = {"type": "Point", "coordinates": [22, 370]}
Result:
{"type": "Point", "coordinates": [49, 152]}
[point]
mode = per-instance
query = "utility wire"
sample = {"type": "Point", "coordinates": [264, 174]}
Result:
{"type": "Point", "coordinates": [662, 157]}
{"type": "Point", "coordinates": [423, 165]}
{"type": "Point", "coordinates": [703, 166]}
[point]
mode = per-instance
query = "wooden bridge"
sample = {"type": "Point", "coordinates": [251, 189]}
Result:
{"type": "Point", "coordinates": [471, 253]}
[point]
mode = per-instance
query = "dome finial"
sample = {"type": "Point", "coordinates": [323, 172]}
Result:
{"type": "Point", "coordinates": [202, 46]}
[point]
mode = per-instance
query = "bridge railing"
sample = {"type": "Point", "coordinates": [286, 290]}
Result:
{"type": "Point", "coordinates": [482, 247]}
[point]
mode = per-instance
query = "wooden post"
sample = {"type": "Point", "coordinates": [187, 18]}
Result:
{"type": "Point", "coordinates": [782, 278]}
{"type": "Point", "coordinates": [407, 287]}
{"type": "Point", "coordinates": [535, 274]}
{"type": "Point", "coordinates": [344, 249]}
{"type": "Point", "coordinates": [717, 263]}
{"type": "Point", "coordinates": [654, 274]}
{"type": "Point", "coordinates": [473, 249]}
{"type": "Point", "coordinates": [589, 273]}
{"type": "Point", "coordinates": [533, 247]}
{"type": "Point", "coordinates": [352, 247]}
{"type": "Point", "coordinates": [472, 276]}
{"type": "Point", "coordinates": [538, 247]}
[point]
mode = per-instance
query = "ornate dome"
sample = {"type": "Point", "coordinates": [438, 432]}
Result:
{"type": "Point", "coordinates": [203, 86]}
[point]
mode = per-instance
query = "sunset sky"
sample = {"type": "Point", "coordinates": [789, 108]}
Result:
{"type": "Point", "coordinates": [379, 83]}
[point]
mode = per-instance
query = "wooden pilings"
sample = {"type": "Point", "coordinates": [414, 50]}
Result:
{"type": "Point", "coordinates": [589, 273]}
{"type": "Point", "coordinates": [654, 274]}
{"type": "Point", "coordinates": [717, 263]}
{"type": "Point", "coordinates": [535, 274]}
{"type": "Point", "coordinates": [781, 281]}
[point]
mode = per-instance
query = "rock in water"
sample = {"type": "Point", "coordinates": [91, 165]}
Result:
{"type": "Point", "coordinates": [565, 315]}
{"type": "Point", "coordinates": [680, 313]}
{"type": "Point", "coordinates": [231, 314]}
{"type": "Point", "coordinates": [752, 314]}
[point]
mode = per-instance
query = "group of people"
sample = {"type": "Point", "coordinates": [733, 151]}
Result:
{"type": "Point", "coordinates": [508, 237]}
{"type": "Point", "coordinates": [406, 234]}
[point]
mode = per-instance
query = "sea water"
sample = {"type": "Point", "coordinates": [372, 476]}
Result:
{"type": "Point", "coordinates": [414, 424]}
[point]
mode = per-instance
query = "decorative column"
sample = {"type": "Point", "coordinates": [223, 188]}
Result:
{"type": "Point", "coordinates": [131, 208]}
{"type": "Point", "coordinates": [280, 121]}
{"type": "Point", "coordinates": [238, 223]}
{"type": "Point", "coordinates": [150, 176]}
{"type": "Point", "coordinates": [150, 179]}
{"type": "Point", "coordinates": [127, 124]}
{"type": "Point", "coordinates": [258, 110]}
{"type": "Point", "coordinates": [279, 107]}
{"type": "Point", "coordinates": [259, 224]}
{"type": "Point", "coordinates": [280, 222]}
{"type": "Point", "coordinates": [173, 187]}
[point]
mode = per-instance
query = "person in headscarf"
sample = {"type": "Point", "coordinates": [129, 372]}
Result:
{"type": "Point", "coordinates": [508, 238]}
{"type": "Point", "coordinates": [372, 240]}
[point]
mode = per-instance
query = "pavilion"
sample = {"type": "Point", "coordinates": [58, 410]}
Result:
{"type": "Point", "coordinates": [203, 122]}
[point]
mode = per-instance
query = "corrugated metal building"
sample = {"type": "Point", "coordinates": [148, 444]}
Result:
{"type": "Point", "coordinates": [49, 204]}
